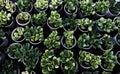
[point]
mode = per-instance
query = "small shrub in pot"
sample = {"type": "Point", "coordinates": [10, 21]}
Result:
{"type": "Point", "coordinates": [17, 34]}
{"type": "Point", "coordinates": [34, 36]}
{"type": "Point", "coordinates": [39, 19]}
{"type": "Point", "coordinates": [68, 63]}
{"type": "Point", "coordinates": [10, 6]}
{"type": "Point", "coordinates": [13, 49]}
{"type": "Point", "coordinates": [24, 5]}
{"type": "Point", "coordinates": [71, 6]}
{"type": "Point", "coordinates": [5, 18]}
{"type": "Point", "coordinates": [87, 7]}
{"type": "Point", "coordinates": [101, 7]}
{"type": "Point", "coordinates": [84, 41]}
{"type": "Point", "coordinates": [2, 4]}
{"type": "Point", "coordinates": [85, 24]}
{"type": "Point", "coordinates": [54, 21]}
{"type": "Point", "coordinates": [49, 62]}
{"type": "Point", "coordinates": [54, 4]}
{"type": "Point", "coordinates": [41, 5]}
{"type": "Point", "coordinates": [53, 41]}
{"type": "Point", "coordinates": [106, 25]}
{"type": "Point", "coordinates": [23, 18]}
{"type": "Point", "coordinates": [117, 21]}
{"type": "Point", "coordinates": [108, 61]}
{"type": "Point", "coordinates": [68, 40]}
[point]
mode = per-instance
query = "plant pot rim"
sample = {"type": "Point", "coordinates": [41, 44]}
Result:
{"type": "Point", "coordinates": [52, 28]}
{"type": "Point", "coordinates": [24, 24]}
{"type": "Point", "coordinates": [88, 72]}
{"type": "Point", "coordinates": [7, 26]}
{"type": "Point", "coordinates": [4, 41]}
{"type": "Point", "coordinates": [115, 18]}
{"type": "Point", "coordinates": [68, 12]}
{"type": "Point", "coordinates": [30, 10]}
{"type": "Point", "coordinates": [116, 40]}
{"type": "Point", "coordinates": [41, 10]}
{"type": "Point", "coordinates": [75, 42]}
{"type": "Point", "coordinates": [118, 52]}
{"type": "Point", "coordinates": [84, 66]}
{"type": "Point", "coordinates": [110, 13]}
{"type": "Point", "coordinates": [12, 35]}
{"type": "Point", "coordinates": [82, 30]}
{"type": "Point", "coordinates": [100, 15]}
{"type": "Point", "coordinates": [12, 45]}
{"type": "Point", "coordinates": [36, 42]}
{"type": "Point", "coordinates": [104, 68]}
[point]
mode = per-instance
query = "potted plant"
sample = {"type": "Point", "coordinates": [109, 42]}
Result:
{"type": "Point", "coordinates": [84, 41]}
{"type": "Point", "coordinates": [66, 55]}
{"type": "Point", "coordinates": [23, 18]}
{"type": "Point", "coordinates": [105, 25]}
{"type": "Point", "coordinates": [68, 41]}
{"type": "Point", "coordinates": [5, 19]}
{"type": "Point", "coordinates": [87, 7]}
{"type": "Point", "coordinates": [53, 41]}
{"type": "Point", "coordinates": [3, 39]}
{"type": "Point", "coordinates": [17, 34]}
{"type": "Point", "coordinates": [49, 62]}
{"type": "Point", "coordinates": [56, 5]}
{"type": "Point", "coordinates": [101, 7]}
{"type": "Point", "coordinates": [41, 5]}
{"type": "Point", "coordinates": [108, 61]}
{"type": "Point", "coordinates": [54, 21]}
{"type": "Point", "coordinates": [68, 64]}
{"type": "Point", "coordinates": [118, 57]}
{"type": "Point", "coordinates": [13, 49]}
{"type": "Point", "coordinates": [85, 24]}
{"type": "Point", "coordinates": [34, 36]}
{"type": "Point", "coordinates": [71, 6]}
{"type": "Point", "coordinates": [70, 24]}
{"type": "Point", "coordinates": [117, 21]}
{"type": "Point", "coordinates": [107, 42]}
{"type": "Point", "coordinates": [39, 19]}
{"type": "Point", "coordinates": [70, 67]}
{"type": "Point", "coordinates": [24, 5]}
{"type": "Point", "coordinates": [10, 6]}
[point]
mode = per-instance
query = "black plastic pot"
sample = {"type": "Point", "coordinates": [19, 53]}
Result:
{"type": "Point", "coordinates": [86, 72]}
{"type": "Point", "coordinates": [97, 15]}
{"type": "Point", "coordinates": [21, 40]}
{"type": "Point", "coordinates": [84, 31]}
{"type": "Point", "coordinates": [62, 42]}
{"type": "Point", "coordinates": [110, 14]}
{"type": "Point", "coordinates": [65, 29]}
{"type": "Point", "coordinates": [104, 68]}
{"type": "Point", "coordinates": [35, 43]}
{"type": "Point", "coordinates": [22, 24]}
{"type": "Point", "coordinates": [4, 43]}
{"type": "Point", "coordinates": [2, 57]}
{"type": "Point", "coordinates": [98, 29]}
{"type": "Point", "coordinates": [85, 67]}
{"type": "Point", "coordinates": [68, 13]}
{"type": "Point", "coordinates": [115, 40]}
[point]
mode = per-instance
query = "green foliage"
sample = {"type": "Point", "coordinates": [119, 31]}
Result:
{"type": "Point", "coordinates": [70, 23]}
{"type": "Point", "coordinates": [49, 62]}
{"type": "Point", "coordinates": [41, 4]}
{"type": "Point", "coordinates": [9, 6]}
{"type": "Point", "coordinates": [24, 16]}
{"type": "Point", "coordinates": [66, 56]}
{"type": "Point", "coordinates": [84, 41]}
{"type": "Point", "coordinates": [102, 6]}
{"type": "Point", "coordinates": [2, 3]}
{"type": "Point", "coordinates": [55, 20]}
{"type": "Point", "coordinates": [87, 7]}
{"type": "Point", "coordinates": [89, 59]}
{"type": "Point", "coordinates": [39, 18]}
{"type": "Point", "coordinates": [53, 41]}
{"type": "Point", "coordinates": [106, 24]}
{"type": "Point", "coordinates": [24, 5]}
{"type": "Point", "coordinates": [109, 60]}
{"type": "Point", "coordinates": [108, 42]}
{"type": "Point", "coordinates": [4, 18]}
{"type": "Point", "coordinates": [85, 24]}
{"type": "Point", "coordinates": [55, 3]}
{"type": "Point", "coordinates": [117, 21]}
{"type": "Point", "coordinates": [33, 35]}
{"type": "Point", "coordinates": [69, 67]}
{"type": "Point", "coordinates": [12, 50]}
{"type": "Point", "coordinates": [69, 38]}
{"type": "Point", "coordinates": [18, 33]}
{"type": "Point", "coordinates": [104, 72]}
